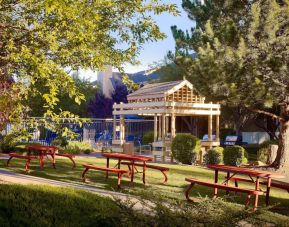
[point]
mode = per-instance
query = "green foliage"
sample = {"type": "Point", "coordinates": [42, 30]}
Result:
{"type": "Point", "coordinates": [234, 156]}
{"type": "Point", "coordinates": [148, 137]}
{"type": "Point", "coordinates": [75, 147]}
{"type": "Point", "coordinates": [60, 141]}
{"type": "Point", "coordinates": [185, 148]}
{"type": "Point", "coordinates": [263, 152]}
{"type": "Point", "coordinates": [43, 41]}
{"type": "Point", "coordinates": [10, 140]}
{"type": "Point", "coordinates": [214, 156]}
{"type": "Point", "coordinates": [226, 132]}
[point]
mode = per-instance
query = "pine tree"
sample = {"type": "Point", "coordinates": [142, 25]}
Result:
{"type": "Point", "coordinates": [242, 49]}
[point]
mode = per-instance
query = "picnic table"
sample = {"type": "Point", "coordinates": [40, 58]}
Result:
{"type": "Point", "coordinates": [42, 151]}
{"type": "Point", "coordinates": [253, 174]}
{"type": "Point", "coordinates": [131, 158]}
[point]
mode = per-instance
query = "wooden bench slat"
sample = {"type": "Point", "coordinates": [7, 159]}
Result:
{"type": "Point", "coordinates": [119, 172]}
{"type": "Point", "coordinates": [225, 187]}
{"type": "Point", "coordinates": [160, 168]}
{"type": "Point", "coordinates": [273, 184]}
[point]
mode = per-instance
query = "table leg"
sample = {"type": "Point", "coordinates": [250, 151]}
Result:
{"type": "Point", "coordinates": [227, 182]}
{"type": "Point", "coordinates": [144, 172]}
{"type": "Point", "coordinates": [268, 190]}
{"type": "Point", "coordinates": [216, 181]}
{"type": "Point", "coordinates": [257, 188]}
{"type": "Point", "coordinates": [107, 166]}
{"type": "Point", "coordinates": [132, 172]}
{"type": "Point", "coordinates": [118, 174]}
{"type": "Point", "coordinates": [41, 161]}
{"type": "Point", "coordinates": [53, 160]}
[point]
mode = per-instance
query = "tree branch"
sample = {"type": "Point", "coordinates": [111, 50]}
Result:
{"type": "Point", "coordinates": [266, 113]}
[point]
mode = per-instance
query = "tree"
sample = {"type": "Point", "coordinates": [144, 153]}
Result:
{"type": "Point", "coordinates": [100, 107]}
{"type": "Point", "coordinates": [120, 94]}
{"type": "Point", "coordinates": [35, 102]}
{"type": "Point", "coordinates": [243, 58]}
{"type": "Point", "coordinates": [41, 40]}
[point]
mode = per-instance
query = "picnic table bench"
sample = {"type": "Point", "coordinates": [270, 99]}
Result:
{"type": "Point", "coordinates": [163, 170]}
{"type": "Point", "coordinates": [263, 182]}
{"type": "Point", "coordinates": [28, 158]}
{"type": "Point", "coordinates": [119, 172]}
{"type": "Point", "coordinates": [194, 181]}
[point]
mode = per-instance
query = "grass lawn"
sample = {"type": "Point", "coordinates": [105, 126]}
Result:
{"type": "Point", "coordinates": [173, 191]}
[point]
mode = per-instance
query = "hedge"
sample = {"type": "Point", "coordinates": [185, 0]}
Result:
{"type": "Point", "coordinates": [185, 148]}
{"type": "Point", "coordinates": [214, 156]}
{"type": "Point", "coordinates": [234, 156]}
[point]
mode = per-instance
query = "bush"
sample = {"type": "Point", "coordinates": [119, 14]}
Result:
{"type": "Point", "coordinates": [263, 152]}
{"type": "Point", "coordinates": [214, 156]}
{"type": "Point", "coordinates": [185, 148]}
{"type": "Point", "coordinates": [234, 156]}
{"type": "Point", "coordinates": [60, 141]}
{"type": "Point", "coordinates": [75, 147]}
{"type": "Point", "coordinates": [148, 137]}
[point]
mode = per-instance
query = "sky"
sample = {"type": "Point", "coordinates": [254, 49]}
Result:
{"type": "Point", "coordinates": [156, 51]}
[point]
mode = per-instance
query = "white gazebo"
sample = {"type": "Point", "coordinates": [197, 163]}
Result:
{"type": "Point", "coordinates": [165, 101]}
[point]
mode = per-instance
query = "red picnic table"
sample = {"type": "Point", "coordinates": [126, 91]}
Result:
{"type": "Point", "coordinates": [253, 174]}
{"type": "Point", "coordinates": [43, 151]}
{"type": "Point", "coordinates": [127, 157]}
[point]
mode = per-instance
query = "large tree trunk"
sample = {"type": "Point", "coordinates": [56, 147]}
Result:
{"type": "Point", "coordinates": [282, 158]}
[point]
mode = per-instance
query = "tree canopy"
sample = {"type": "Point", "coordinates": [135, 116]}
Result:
{"type": "Point", "coordinates": [42, 40]}
{"type": "Point", "coordinates": [242, 49]}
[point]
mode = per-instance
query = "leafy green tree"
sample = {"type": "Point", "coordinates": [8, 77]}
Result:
{"type": "Point", "coordinates": [35, 102]}
{"type": "Point", "coordinates": [242, 49]}
{"type": "Point", "coordinates": [41, 40]}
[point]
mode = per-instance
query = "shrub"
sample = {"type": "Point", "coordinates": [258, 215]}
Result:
{"type": "Point", "coordinates": [148, 137]}
{"type": "Point", "coordinates": [263, 152]}
{"type": "Point", "coordinates": [185, 148]}
{"type": "Point", "coordinates": [234, 156]}
{"type": "Point", "coordinates": [60, 141]}
{"type": "Point", "coordinates": [214, 156]}
{"type": "Point", "coordinates": [76, 147]}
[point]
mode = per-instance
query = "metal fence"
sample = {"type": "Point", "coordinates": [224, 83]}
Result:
{"type": "Point", "coordinates": [97, 131]}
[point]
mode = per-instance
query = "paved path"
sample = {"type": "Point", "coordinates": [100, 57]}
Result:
{"type": "Point", "coordinates": [10, 177]}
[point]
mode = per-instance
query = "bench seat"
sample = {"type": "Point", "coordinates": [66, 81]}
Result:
{"type": "Point", "coordinates": [273, 184]}
{"type": "Point", "coordinates": [70, 156]}
{"type": "Point", "coordinates": [160, 168]}
{"type": "Point", "coordinates": [217, 186]}
{"type": "Point", "coordinates": [28, 158]}
{"type": "Point", "coordinates": [119, 172]}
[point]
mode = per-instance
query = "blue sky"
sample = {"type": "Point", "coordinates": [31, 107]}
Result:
{"type": "Point", "coordinates": [155, 51]}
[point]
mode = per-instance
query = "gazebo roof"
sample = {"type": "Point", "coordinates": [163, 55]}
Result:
{"type": "Point", "coordinates": [159, 89]}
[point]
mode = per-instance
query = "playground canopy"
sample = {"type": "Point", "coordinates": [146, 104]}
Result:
{"type": "Point", "coordinates": [165, 101]}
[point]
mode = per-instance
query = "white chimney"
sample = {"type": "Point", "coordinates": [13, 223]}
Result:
{"type": "Point", "coordinates": [104, 78]}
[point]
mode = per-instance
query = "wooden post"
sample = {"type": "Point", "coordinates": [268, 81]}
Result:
{"type": "Point", "coordinates": [114, 127]}
{"type": "Point", "coordinates": [173, 126]}
{"type": "Point", "coordinates": [160, 128]}
{"type": "Point", "coordinates": [167, 125]}
{"type": "Point", "coordinates": [210, 127]}
{"type": "Point", "coordinates": [217, 128]}
{"type": "Point", "coordinates": [155, 128]}
{"type": "Point", "coordinates": [163, 127]}
{"type": "Point", "coordinates": [122, 129]}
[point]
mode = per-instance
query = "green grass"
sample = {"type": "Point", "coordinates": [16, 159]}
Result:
{"type": "Point", "coordinates": [173, 191]}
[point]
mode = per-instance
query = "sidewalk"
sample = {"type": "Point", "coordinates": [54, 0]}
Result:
{"type": "Point", "coordinates": [10, 177]}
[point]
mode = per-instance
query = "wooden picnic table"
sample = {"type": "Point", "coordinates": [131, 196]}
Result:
{"type": "Point", "coordinates": [253, 174]}
{"type": "Point", "coordinates": [42, 151]}
{"type": "Point", "coordinates": [132, 158]}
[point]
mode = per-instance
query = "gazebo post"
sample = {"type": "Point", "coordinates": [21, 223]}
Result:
{"type": "Point", "coordinates": [155, 127]}
{"type": "Point", "coordinates": [122, 130]}
{"type": "Point", "coordinates": [114, 127]}
{"type": "Point", "coordinates": [160, 128]}
{"type": "Point", "coordinates": [164, 135]}
{"type": "Point", "coordinates": [210, 127]}
{"type": "Point", "coordinates": [217, 128]}
{"type": "Point", "coordinates": [167, 125]}
{"type": "Point", "coordinates": [173, 126]}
